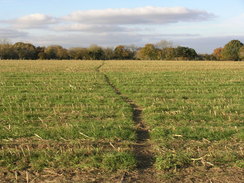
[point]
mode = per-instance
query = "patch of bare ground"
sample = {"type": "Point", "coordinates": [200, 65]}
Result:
{"type": "Point", "coordinates": [59, 176]}
{"type": "Point", "coordinates": [203, 175]}
{"type": "Point", "coordinates": [188, 175]}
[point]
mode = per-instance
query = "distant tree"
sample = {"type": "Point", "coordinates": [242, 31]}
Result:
{"type": "Point", "coordinates": [7, 51]}
{"type": "Point", "coordinates": [170, 53]}
{"type": "Point", "coordinates": [185, 53]}
{"type": "Point", "coordinates": [85, 54]}
{"type": "Point", "coordinates": [95, 53]}
{"type": "Point", "coordinates": [231, 50]}
{"type": "Point", "coordinates": [78, 53]}
{"type": "Point", "coordinates": [51, 52]}
{"type": "Point", "coordinates": [108, 53]}
{"type": "Point", "coordinates": [123, 53]}
{"type": "Point", "coordinates": [161, 54]}
{"type": "Point", "coordinates": [148, 52]}
{"type": "Point", "coordinates": [217, 53]}
{"type": "Point", "coordinates": [42, 56]}
{"type": "Point", "coordinates": [62, 53]}
{"type": "Point", "coordinates": [162, 50]}
{"type": "Point", "coordinates": [241, 53]}
{"type": "Point", "coordinates": [56, 52]}
{"type": "Point", "coordinates": [192, 54]}
{"type": "Point", "coordinates": [206, 57]}
{"type": "Point", "coordinates": [25, 50]}
{"type": "Point", "coordinates": [40, 53]}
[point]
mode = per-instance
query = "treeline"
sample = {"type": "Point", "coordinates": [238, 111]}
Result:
{"type": "Point", "coordinates": [163, 50]}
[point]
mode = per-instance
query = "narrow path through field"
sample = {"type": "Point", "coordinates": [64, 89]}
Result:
{"type": "Point", "coordinates": [142, 148]}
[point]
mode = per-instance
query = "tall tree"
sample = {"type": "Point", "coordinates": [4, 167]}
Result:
{"type": "Point", "coordinates": [185, 53]}
{"type": "Point", "coordinates": [123, 53]}
{"type": "Point", "coordinates": [56, 52]}
{"type": "Point", "coordinates": [161, 54]}
{"type": "Point", "coordinates": [7, 51]}
{"type": "Point", "coordinates": [148, 52]}
{"type": "Point", "coordinates": [40, 53]}
{"type": "Point", "coordinates": [241, 53]}
{"type": "Point", "coordinates": [231, 50]}
{"type": "Point", "coordinates": [217, 53]}
{"type": "Point", "coordinates": [78, 53]}
{"type": "Point", "coordinates": [170, 53]}
{"type": "Point", "coordinates": [25, 50]}
{"type": "Point", "coordinates": [95, 53]}
{"type": "Point", "coordinates": [108, 53]}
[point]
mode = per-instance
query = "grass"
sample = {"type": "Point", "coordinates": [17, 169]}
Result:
{"type": "Point", "coordinates": [63, 115]}
{"type": "Point", "coordinates": [55, 104]}
{"type": "Point", "coordinates": [197, 113]}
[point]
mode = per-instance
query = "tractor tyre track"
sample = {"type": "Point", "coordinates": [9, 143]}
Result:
{"type": "Point", "coordinates": [142, 148]}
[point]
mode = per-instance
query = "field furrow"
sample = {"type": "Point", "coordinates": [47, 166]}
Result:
{"type": "Point", "coordinates": [142, 149]}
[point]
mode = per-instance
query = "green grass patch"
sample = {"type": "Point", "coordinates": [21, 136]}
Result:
{"type": "Point", "coordinates": [192, 109]}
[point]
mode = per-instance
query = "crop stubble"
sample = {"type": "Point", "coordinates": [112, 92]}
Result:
{"type": "Point", "coordinates": [60, 120]}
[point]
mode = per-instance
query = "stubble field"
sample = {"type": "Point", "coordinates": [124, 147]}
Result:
{"type": "Point", "coordinates": [121, 121]}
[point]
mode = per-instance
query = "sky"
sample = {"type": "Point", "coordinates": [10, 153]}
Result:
{"type": "Point", "coordinates": [200, 24]}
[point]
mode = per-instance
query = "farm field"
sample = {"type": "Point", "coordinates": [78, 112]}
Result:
{"type": "Point", "coordinates": [121, 121]}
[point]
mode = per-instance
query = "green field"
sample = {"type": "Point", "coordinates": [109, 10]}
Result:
{"type": "Point", "coordinates": [79, 121]}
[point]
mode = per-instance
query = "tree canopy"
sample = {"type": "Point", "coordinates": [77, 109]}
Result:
{"type": "Point", "coordinates": [241, 53]}
{"type": "Point", "coordinates": [163, 50]}
{"type": "Point", "coordinates": [231, 50]}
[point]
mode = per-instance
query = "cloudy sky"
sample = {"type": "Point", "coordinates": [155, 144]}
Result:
{"type": "Point", "coordinates": [200, 24]}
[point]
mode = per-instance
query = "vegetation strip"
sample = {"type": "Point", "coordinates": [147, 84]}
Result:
{"type": "Point", "coordinates": [163, 50]}
{"type": "Point", "coordinates": [142, 148]}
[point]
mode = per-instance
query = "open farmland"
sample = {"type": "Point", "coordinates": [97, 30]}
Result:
{"type": "Point", "coordinates": [121, 121]}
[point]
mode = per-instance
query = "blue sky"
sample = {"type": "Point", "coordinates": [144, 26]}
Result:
{"type": "Point", "coordinates": [200, 24]}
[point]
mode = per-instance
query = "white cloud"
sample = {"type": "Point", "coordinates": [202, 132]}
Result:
{"type": "Point", "coordinates": [109, 19]}
{"type": "Point", "coordinates": [33, 21]}
{"type": "Point", "coordinates": [144, 15]}
{"type": "Point", "coordinates": [91, 28]}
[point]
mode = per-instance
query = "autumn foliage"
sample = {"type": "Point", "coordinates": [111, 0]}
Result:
{"type": "Point", "coordinates": [160, 51]}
